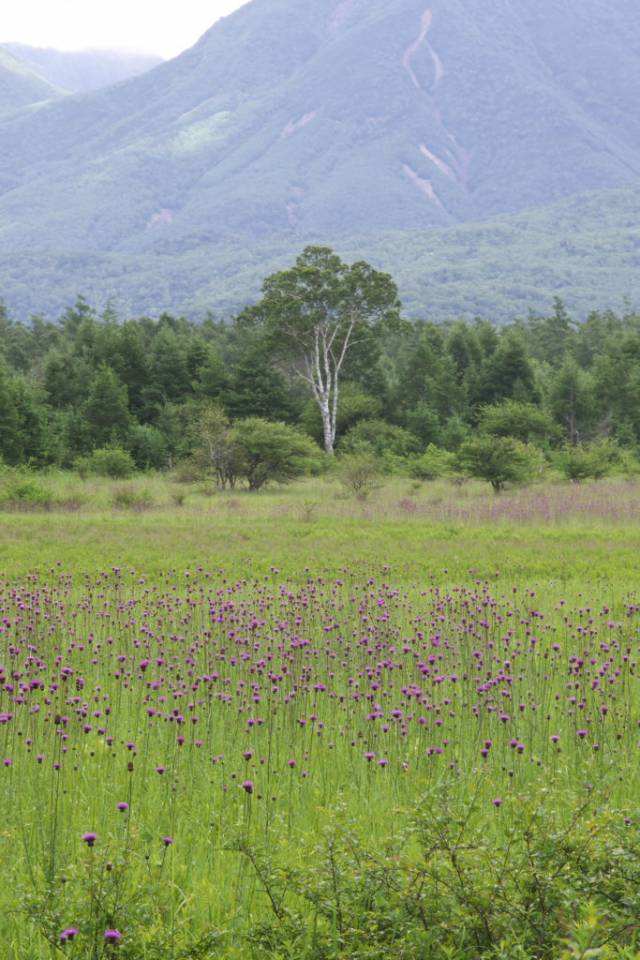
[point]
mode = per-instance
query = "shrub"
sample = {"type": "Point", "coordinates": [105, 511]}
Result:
{"type": "Point", "coordinates": [271, 452]}
{"type": "Point", "coordinates": [589, 461]}
{"type": "Point", "coordinates": [19, 485]}
{"type": "Point", "coordinates": [500, 460]}
{"type": "Point", "coordinates": [129, 498]}
{"type": "Point", "coordinates": [433, 464]}
{"type": "Point", "coordinates": [190, 470]}
{"type": "Point", "coordinates": [629, 465]}
{"type": "Point", "coordinates": [556, 884]}
{"type": "Point", "coordinates": [217, 454]}
{"type": "Point", "coordinates": [380, 438]}
{"type": "Point", "coordinates": [111, 462]}
{"type": "Point", "coordinates": [359, 473]}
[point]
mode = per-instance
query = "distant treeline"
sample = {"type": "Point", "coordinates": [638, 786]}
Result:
{"type": "Point", "coordinates": [93, 381]}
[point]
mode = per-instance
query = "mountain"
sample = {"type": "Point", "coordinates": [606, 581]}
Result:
{"type": "Point", "coordinates": [83, 70]}
{"type": "Point", "coordinates": [339, 121]}
{"type": "Point", "coordinates": [19, 86]}
{"type": "Point", "coordinates": [585, 250]}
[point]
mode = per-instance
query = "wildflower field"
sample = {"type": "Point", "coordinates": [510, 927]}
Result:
{"type": "Point", "coordinates": [295, 726]}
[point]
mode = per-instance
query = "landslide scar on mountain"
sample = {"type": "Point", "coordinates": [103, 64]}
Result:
{"type": "Point", "coordinates": [424, 186]}
{"type": "Point", "coordinates": [294, 125]}
{"type": "Point", "coordinates": [436, 161]}
{"type": "Point", "coordinates": [413, 48]}
{"type": "Point", "coordinates": [459, 159]}
{"type": "Point", "coordinates": [164, 215]}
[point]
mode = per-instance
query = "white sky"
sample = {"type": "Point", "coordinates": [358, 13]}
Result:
{"type": "Point", "coordinates": [166, 27]}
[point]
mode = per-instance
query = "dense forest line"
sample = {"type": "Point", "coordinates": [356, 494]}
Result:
{"type": "Point", "coordinates": [144, 387]}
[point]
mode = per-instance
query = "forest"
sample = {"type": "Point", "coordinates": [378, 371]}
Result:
{"type": "Point", "coordinates": [104, 393]}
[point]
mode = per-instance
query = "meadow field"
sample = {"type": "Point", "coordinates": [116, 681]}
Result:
{"type": "Point", "coordinates": [298, 724]}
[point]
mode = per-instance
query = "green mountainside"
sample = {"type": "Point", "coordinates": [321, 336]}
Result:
{"type": "Point", "coordinates": [585, 250]}
{"type": "Point", "coordinates": [19, 86]}
{"type": "Point", "coordinates": [349, 122]}
{"type": "Point", "coordinates": [82, 70]}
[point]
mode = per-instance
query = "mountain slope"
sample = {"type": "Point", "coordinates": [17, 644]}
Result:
{"type": "Point", "coordinates": [19, 86]}
{"type": "Point", "coordinates": [295, 119]}
{"type": "Point", "coordinates": [83, 70]}
{"type": "Point", "coordinates": [585, 250]}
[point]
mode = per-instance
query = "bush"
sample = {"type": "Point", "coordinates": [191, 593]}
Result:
{"type": "Point", "coordinates": [589, 461]}
{"type": "Point", "coordinates": [433, 464]}
{"type": "Point", "coordinates": [359, 473]}
{"type": "Point", "coordinates": [190, 470]}
{"type": "Point", "coordinates": [129, 498]}
{"type": "Point", "coordinates": [19, 485]}
{"type": "Point", "coordinates": [379, 438]}
{"type": "Point", "coordinates": [178, 498]}
{"type": "Point", "coordinates": [559, 882]}
{"type": "Point", "coordinates": [500, 460]}
{"type": "Point", "coordinates": [111, 462]}
{"type": "Point", "coordinates": [271, 452]}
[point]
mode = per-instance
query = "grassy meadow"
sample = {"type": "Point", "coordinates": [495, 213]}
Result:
{"type": "Point", "coordinates": [298, 724]}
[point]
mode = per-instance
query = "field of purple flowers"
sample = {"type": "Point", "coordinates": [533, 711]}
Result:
{"type": "Point", "coordinates": [196, 766]}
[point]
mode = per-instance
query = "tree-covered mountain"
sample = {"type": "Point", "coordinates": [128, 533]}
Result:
{"type": "Point", "coordinates": [294, 120]}
{"type": "Point", "coordinates": [20, 86]}
{"type": "Point", "coordinates": [78, 71]}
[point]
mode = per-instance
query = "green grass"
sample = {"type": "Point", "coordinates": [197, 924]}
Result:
{"type": "Point", "coordinates": [422, 532]}
{"type": "Point", "coordinates": [279, 621]}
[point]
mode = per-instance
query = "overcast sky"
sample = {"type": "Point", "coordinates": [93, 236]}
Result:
{"type": "Point", "coordinates": [154, 26]}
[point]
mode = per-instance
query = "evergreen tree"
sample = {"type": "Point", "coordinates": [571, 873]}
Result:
{"type": "Point", "coordinates": [571, 400]}
{"type": "Point", "coordinates": [256, 388]}
{"type": "Point", "coordinates": [11, 441]}
{"type": "Point", "coordinates": [106, 411]}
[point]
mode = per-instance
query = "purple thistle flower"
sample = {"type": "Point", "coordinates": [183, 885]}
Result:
{"type": "Point", "coordinates": [89, 838]}
{"type": "Point", "coordinates": [123, 807]}
{"type": "Point", "coordinates": [167, 841]}
{"type": "Point", "coordinates": [582, 734]}
{"type": "Point", "coordinates": [247, 786]}
{"type": "Point", "coordinates": [68, 934]}
{"type": "Point", "coordinates": [112, 936]}
{"type": "Point", "coordinates": [497, 802]}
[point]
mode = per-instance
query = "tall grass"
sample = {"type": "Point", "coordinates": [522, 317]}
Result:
{"type": "Point", "coordinates": [249, 753]}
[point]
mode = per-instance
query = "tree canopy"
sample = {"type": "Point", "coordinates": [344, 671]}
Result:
{"type": "Point", "coordinates": [314, 314]}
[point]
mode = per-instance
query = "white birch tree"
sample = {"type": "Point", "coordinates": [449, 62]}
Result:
{"type": "Point", "coordinates": [314, 313]}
